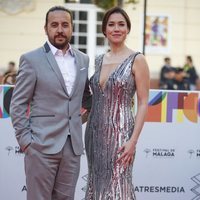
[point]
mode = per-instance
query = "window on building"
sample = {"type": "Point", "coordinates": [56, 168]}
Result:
{"type": "Point", "coordinates": [87, 33]}
{"type": "Point", "coordinates": [79, 38]}
{"type": "Point", "coordinates": [100, 39]}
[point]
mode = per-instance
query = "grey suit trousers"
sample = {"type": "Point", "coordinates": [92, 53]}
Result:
{"type": "Point", "coordinates": [51, 176]}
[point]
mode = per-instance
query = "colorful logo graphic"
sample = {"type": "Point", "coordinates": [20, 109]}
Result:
{"type": "Point", "coordinates": [5, 98]}
{"type": "Point", "coordinates": [169, 106]}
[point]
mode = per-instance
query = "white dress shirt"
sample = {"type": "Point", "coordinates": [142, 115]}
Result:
{"type": "Point", "coordinates": [66, 63]}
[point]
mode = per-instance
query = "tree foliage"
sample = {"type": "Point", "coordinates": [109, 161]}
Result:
{"type": "Point", "coordinates": [106, 4]}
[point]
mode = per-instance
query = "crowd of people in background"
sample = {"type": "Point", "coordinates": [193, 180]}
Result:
{"type": "Point", "coordinates": [171, 78]}
{"type": "Point", "coordinates": [179, 78]}
{"type": "Point", "coordinates": [9, 77]}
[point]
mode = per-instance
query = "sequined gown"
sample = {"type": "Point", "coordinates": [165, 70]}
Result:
{"type": "Point", "coordinates": [110, 124]}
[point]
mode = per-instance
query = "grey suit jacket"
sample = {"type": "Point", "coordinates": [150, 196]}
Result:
{"type": "Point", "coordinates": [53, 112]}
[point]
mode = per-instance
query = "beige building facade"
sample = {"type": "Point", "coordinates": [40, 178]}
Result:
{"type": "Point", "coordinates": [183, 31]}
{"type": "Point", "coordinates": [22, 30]}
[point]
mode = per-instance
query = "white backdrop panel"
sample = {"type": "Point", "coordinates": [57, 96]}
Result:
{"type": "Point", "coordinates": [167, 164]}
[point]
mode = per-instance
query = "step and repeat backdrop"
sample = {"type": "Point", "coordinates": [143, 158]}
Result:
{"type": "Point", "coordinates": [167, 164]}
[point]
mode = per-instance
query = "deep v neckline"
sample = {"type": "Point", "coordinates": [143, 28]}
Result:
{"type": "Point", "coordinates": [102, 89]}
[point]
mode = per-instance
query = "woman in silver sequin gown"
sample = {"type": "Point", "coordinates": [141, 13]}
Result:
{"type": "Point", "coordinates": [111, 132]}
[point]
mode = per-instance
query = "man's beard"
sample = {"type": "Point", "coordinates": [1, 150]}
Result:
{"type": "Point", "coordinates": [62, 45]}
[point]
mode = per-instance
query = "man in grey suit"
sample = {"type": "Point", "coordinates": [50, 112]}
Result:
{"type": "Point", "coordinates": [52, 81]}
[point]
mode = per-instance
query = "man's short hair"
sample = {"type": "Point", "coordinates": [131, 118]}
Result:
{"type": "Point", "coordinates": [58, 8]}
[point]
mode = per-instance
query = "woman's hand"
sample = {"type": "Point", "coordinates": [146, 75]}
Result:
{"type": "Point", "coordinates": [127, 152]}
